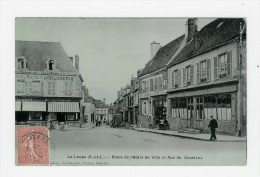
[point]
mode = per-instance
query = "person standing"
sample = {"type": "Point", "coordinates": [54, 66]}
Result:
{"type": "Point", "coordinates": [213, 124]}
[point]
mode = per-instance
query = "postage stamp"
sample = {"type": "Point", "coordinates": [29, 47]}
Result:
{"type": "Point", "coordinates": [33, 145]}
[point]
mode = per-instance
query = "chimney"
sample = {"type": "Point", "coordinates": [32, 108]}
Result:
{"type": "Point", "coordinates": [154, 48]}
{"type": "Point", "coordinates": [191, 28]}
{"type": "Point", "coordinates": [71, 59]}
{"type": "Point", "coordinates": [77, 62]}
{"type": "Point", "coordinates": [139, 72]}
{"type": "Point", "coordinates": [104, 100]}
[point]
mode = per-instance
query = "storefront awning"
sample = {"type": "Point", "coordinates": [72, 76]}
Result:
{"type": "Point", "coordinates": [18, 106]}
{"type": "Point", "coordinates": [63, 107]}
{"type": "Point", "coordinates": [34, 106]}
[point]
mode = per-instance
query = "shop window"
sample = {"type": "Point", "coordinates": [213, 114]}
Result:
{"type": "Point", "coordinates": [35, 116]}
{"type": "Point", "coordinates": [71, 116]}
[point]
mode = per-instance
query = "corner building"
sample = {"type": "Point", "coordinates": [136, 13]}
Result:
{"type": "Point", "coordinates": [47, 84]}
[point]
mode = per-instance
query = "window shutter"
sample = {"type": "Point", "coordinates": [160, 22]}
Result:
{"type": "Point", "coordinates": [208, 69]}
{"type": "Point", "coordinates": [215, 68]}
{"type": "Point", "coordinates": [198, 72]}
{"type": "Point", "coordinates": [172, 79]}
{"type": "Point", "coordinates": [179, 78]}
{"type": "Point", "coordinates": [184, 74]}
{"type": "Point", "coordinates": [191, 73]}
{"type": "Point", "coordinates": [151, 84]}
{"type": "Point", "coordinates": [229, 68]}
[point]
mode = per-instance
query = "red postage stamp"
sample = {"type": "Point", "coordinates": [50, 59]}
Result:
{"type": "Point", "coordinates": [33, 145]}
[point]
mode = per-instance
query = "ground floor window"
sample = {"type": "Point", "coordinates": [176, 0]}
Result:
{"type": "Point", "coordinates": [217, 105]}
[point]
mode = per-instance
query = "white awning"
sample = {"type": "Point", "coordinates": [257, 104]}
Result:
{"type": "Point", "coordinates": [17, 105]}
{"type": "Point", "coordinates": [63, 107]}
{"type": "Point", "coordinates": [34, 106]}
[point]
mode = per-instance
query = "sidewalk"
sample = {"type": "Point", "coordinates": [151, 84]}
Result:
{"type": "Point", "coordinates": [201, 137]}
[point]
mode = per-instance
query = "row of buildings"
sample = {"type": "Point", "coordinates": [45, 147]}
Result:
{"type": "Point", "coordinates": [197, 75]}
{"type": "Point", "coordinates": [49, 87]}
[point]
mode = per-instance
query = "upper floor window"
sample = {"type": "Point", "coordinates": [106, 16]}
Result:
{"type": "Point", "coordinates": [176, 76]}
{"type": "Point", "coordinates": [151, 85]}
{"type": "Point", "coordinates": [20, 63]}
{"type": "Point", "coordinates": [20, 85]}
{"type": "Point", "coordinates": [160, 82]}
{"type": "Point", "coordinates": [222, 65]}
{"type": "Point", "coordinates": [28, 87]}
{"type": "Point", "coordinates": [36, 87]}
{"type": "Point", "coordinates": [51, 64]}
{"type": "Point", "coordinates": [203, 69]}
{"type": "Point", "coordinates": [188, 72]}
{"type": "Point", "coordinates": [68, 87]}
{"type": "Point", "coordinates": [143, 86]}
{"type": "Point", "coordinates": [156, 84]}
{"type": "Point", "coordinates": [51, 88]}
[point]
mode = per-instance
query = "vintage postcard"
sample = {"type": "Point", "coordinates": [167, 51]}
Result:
{"type": "Point", "coordinates": [131, 91]}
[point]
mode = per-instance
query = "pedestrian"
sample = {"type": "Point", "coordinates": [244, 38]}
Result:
{"type": "Point", "coordinates": [213, 124]}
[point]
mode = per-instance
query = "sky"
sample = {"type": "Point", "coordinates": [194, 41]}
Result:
{"type": "Point", "coordinates": [110, 50]}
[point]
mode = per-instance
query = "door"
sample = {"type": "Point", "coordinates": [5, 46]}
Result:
{"type": "Point", "coordinates": [61, 117]}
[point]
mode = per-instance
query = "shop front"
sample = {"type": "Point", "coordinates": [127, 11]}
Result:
{"type": "Point", "coordinates": [30, 112]}
{"type": "Point", "coordinates": [38, 112]}
{"type": "Point", "coordinates": [159, 107]}
{"type": "Point", "coordinates": [195, 111]}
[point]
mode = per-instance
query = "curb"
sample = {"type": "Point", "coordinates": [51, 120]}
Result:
{"type": "Point", "coordinates": [188, 137]}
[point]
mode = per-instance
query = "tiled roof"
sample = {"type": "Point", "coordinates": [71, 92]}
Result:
{"type": "Point", "coordinates": [210, 36]}
{"type": "Point", "coordinates": [162, 57]}
{"type": "Point", "coordinates": [37, 53]}
{"type": "Point", "coordinates": [100, 104]}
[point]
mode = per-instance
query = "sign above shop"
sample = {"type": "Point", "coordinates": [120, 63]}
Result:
{"type": "Point", "coordinates": [43, 77]}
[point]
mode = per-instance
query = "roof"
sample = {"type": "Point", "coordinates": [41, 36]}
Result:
{"type": "Point", "coordinates": [163, 56]}
{"type": "Point", "coordinates": [89, 99]}
{"type": "Point", "coordinates": [100, 104]}
{"type": "Point", "coordinates": [37, 53]}
{"type": "Point", "coordinates": [210, 36]}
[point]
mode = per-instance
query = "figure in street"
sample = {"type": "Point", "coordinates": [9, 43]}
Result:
{"type": "Point", "coordinates": [213, 124]}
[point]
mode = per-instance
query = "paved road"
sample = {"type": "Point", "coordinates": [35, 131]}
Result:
{"type": "Point", "coordinates": [112, 146]}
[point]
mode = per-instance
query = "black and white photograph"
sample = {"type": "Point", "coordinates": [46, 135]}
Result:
{"type": "Point", "coordinates": [129, 88]}
{"type": "Point", "coordinates": [131, 91]}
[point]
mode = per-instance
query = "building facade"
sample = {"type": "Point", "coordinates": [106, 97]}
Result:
{"type": "Point", "coordinates": [48, 86]}
{"type": "Point", "coordinates": [208, 78]}
{"type": "Point", "coordinates": [153, 83]}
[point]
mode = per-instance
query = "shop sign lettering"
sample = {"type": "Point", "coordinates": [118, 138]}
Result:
{"type": "Point", "coordinates": [43, 77]}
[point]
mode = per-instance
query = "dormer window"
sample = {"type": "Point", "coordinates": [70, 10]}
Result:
{"type": "Point", "coordinates": [20, 63]}
{"type": "Point", "coordinates": [51, 63]}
